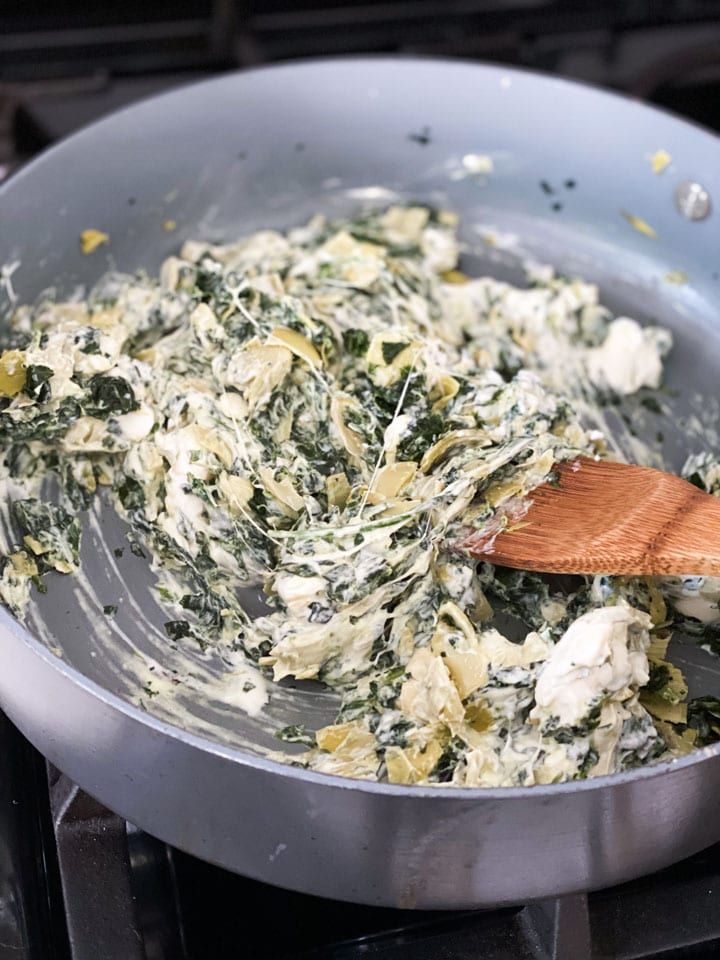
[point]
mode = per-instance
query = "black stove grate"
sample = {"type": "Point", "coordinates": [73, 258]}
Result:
{"type": "Point", "coordinates": [78, 883]}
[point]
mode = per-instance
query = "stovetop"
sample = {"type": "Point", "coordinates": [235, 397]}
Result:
{"type": "Point", "coordinates": [76, 881]}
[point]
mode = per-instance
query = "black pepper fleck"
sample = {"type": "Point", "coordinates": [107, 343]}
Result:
{"type": "Point", "coordinates": [570, 184]}
{"type": "Point", "coordinates": [423, 138]}
{"type": "Point", "coordinates": [131, 201]}
{"type": "Point", "coordinates": [546, 187]}
{"type": "Point", "coordinates": [557, 207]}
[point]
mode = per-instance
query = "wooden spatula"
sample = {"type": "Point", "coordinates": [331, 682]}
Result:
{"type": "Point", "coordinates": [612, 518]}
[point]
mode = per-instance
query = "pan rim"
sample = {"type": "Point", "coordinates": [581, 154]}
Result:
{"type": "Point", "coordinates": [397, 60]}
{"type": "Point", "coordinates": [8, 624]}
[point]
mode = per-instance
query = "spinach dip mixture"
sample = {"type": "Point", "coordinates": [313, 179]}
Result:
{"type": "Point", "coordinates": [327, 414]}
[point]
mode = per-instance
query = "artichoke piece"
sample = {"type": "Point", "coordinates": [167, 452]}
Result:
{"type": "Point", "coordinates": [391, 479]}
{"type": "Point", "coordinates": [338, 489]}
{"type": "Point", "coordinates": [210, 440]}
{"type": "Point", "coordinates": [257, 369]}
{"type": "Point", "coordinates": [86, 435]}
{"type": "Point", "coordinates": [679, 743]}
{"type": "Point", "coordinates": [283, 491]}
{"type": "Point", "coordinates": [392, 349]}
{"type": "Point", "coordinates": [468, 671]}
{"type": "Point", "coordinates": [443, 446]}
{"type": "Point", "coordinates": [344, 737]}
{"type": "Point", "coordinates": [297, 344]}
{"type": "Point", "coordinates": [430, 695]}
{"type": "Point", "coordinates": [454, 276]}
{"type": "Point", "coordinates": [351, 439]}
{"type": "Point", "coordinates": [442, 392]}
{"type": "Point", "coordinates": [404, 225]}
{"type": "Point", "coordinates": [657, 648]}
{"type": "Point", "coordinates": [663, 709]}
{"type": "Point", "coordinates": [478, 717]}
{"type": "Point", "coordinates": [237, 491]}
{"type": "Point", "coordinates": [23, 564]}
{"type": "Point", "coordinates": [411, 764]}
{"type": "Point", "coordinates": [12, 372]}
{"type": "Point", "coordinates": [466, 664]}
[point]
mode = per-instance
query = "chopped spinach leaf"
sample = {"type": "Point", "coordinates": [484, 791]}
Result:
{"type": "Point", "coordinates": [37, 382]}
{"type": "Point", "coordinates": [391, 350]}
{"type": "Point", "coordinates": [177, 629]}
{"type": "Point", "coordinates": [109, 396]}
{"type": "Point", "coordinates": [356, 342]}
{"type": "Point", "coordinates": [50, 532]}
{"type": "Point", "coordinates": [704, 717]}
{"type": "Point", "coordinates": [451, 756]}
{"type": "Point", "coordinates": [297, 733]}
{"type": "Point", "coordinates": [131, 494]}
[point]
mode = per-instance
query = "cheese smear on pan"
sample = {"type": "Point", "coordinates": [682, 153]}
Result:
{"type": "Point", "coordinates": [326, 415]}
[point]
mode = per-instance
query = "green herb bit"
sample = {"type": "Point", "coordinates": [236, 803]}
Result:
{"type": "Point", "coordinates": [704, 716]}
{"type": "Point", "coordinates": [356, 342]}
{"type": "Point", "coordinates": [37, 382]}
{"type": "Point", "coordinates": [177, 629]}
{"type": "Point", "coordinates": [135, 549]}
{"type": "Point", "coordinates": [110, 396]}
{"type": "Point", "coordinates": [391, 350]}
{"type": "Point", "coordinates": [50, 532]}
{"type": "Point", "coordinates": [131, 495]}
{"type": "Point", "coordinates": [297, 733]}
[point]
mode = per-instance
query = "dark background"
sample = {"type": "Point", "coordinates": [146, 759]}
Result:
{"type": "Point", "coordinates": [64, 63]}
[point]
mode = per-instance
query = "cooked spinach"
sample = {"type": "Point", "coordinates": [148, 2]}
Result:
{"type": "Point", "coordinates": [109, 396]}
{"type": "Point", "coordinates": [37, 383]}
{"type": "Point", "coordinates": [297, 733]}
{"type": "Point", "coordinates": [356, 342]}
{"type": "Point", "coordinates": [50, 532]}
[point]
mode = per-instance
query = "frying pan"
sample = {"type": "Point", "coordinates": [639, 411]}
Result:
{"type": "Point", "coordinates": [269, 148]}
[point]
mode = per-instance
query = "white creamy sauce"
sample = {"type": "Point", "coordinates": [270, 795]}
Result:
{"type": "Point", "coordinates": [601, 655]}
{"type": "Point", "coordinates": [630, 357]}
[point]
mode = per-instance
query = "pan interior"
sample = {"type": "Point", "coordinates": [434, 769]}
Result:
{"type": "Point", "coordinates": [198, 691]}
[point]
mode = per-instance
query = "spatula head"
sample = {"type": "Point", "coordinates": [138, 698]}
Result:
{"type": "Point", "coordinates": [611, 518]}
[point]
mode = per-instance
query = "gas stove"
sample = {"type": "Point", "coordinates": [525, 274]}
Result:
{"type": "Point", "coordinates": [79, 883]}
{"type": "Point", "coordinates": [76, 881]}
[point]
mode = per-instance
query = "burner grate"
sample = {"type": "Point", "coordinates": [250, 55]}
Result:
{"type": "Point", "coordinates": [78, 883]}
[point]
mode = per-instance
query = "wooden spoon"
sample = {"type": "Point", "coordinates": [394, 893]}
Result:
{"type": "Point", "coordinates": [612, 518]}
